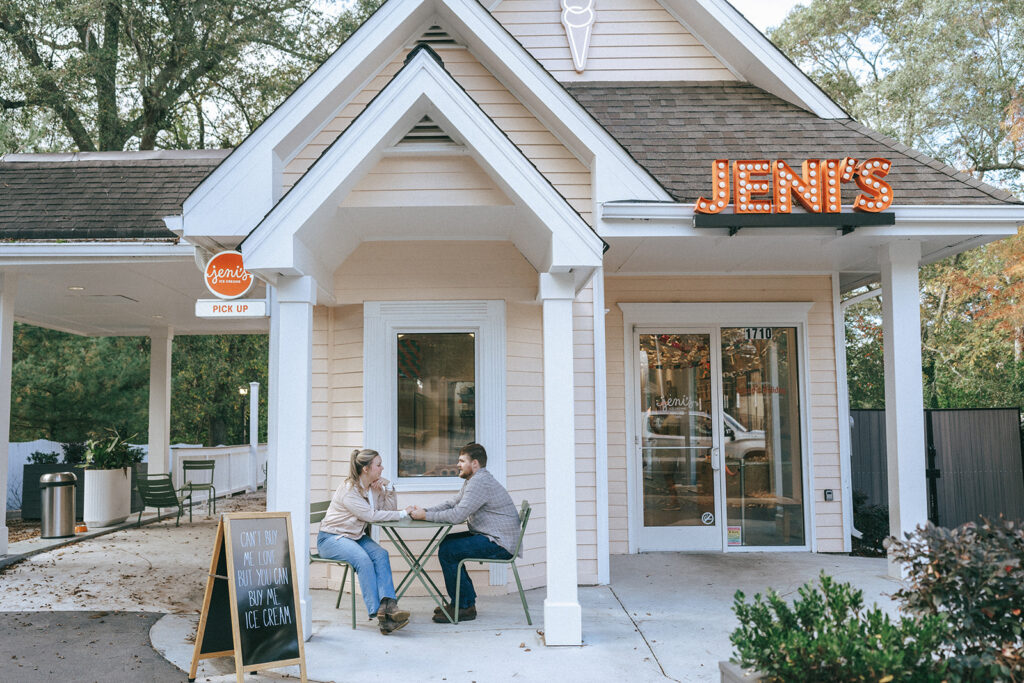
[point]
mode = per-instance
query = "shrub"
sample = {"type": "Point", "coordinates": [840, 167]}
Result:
{"type": "Point", "coordinates": [873, 522]}
{"type": "Point", "coordinates": [74, 453]}
{"type": "Point", "coordinates": [830, 636]}
{"type": "Point", "coordinates": [111, 453]}
{"type": "Point", "coordinates": [41, 458]}
{"type": "Point", "coordinates": [974, 576]}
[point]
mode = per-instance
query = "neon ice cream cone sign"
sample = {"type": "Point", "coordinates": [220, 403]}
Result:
{"type": "Point", "coordinates": [578, 19]}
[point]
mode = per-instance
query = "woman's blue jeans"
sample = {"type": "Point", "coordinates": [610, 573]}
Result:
{"type": "Point", "coordinates": [370, 561]}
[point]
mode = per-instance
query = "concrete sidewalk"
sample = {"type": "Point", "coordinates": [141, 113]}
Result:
{"type": "Point", "coordinates": [666, 616]}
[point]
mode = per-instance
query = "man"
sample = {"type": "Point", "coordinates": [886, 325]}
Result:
{"type": "Point", "coordinates": [493, 528]}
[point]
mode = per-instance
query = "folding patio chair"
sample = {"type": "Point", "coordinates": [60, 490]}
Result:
{"type": "Point", "coordinates": [189, 466]}
{"type": "Point", "coordinates": [524, 517]}
{"type": "Point", "coordinates": [317, 511]}
{"type": "Point", "coordinates": [157, 491]}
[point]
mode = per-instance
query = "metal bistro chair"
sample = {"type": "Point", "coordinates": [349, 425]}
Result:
{"type": "Point", "coordinates": [524, 517]}
{"type": "Point", "coordinates": [317, 511]}
{"type": "Point", "coordinates": [188, 466]}
{"type": "Point", "coordinates": [157, 491]}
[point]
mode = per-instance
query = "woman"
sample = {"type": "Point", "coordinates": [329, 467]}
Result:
{"type": "Point", "coordinates": [363, 498]}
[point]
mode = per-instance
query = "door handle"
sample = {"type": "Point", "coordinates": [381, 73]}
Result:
{"type": "Point", "coordinates": [716, 459]}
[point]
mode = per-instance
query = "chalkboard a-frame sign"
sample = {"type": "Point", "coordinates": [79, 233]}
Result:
{"type": "Point", "coordinates": [251, 605]}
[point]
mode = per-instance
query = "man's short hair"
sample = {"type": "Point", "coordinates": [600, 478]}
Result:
{"type": "Point", "coordinates": [475, 451]}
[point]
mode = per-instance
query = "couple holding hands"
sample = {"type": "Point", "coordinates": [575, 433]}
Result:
{"type": "Point", "coordinates": [365, 497]}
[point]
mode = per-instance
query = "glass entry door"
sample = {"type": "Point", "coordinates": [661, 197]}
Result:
{"type": "Point", "coordinates": [678, 440]}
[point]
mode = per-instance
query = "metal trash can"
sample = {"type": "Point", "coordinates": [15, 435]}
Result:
{"type": "Point", "coordinates": [58, 504]}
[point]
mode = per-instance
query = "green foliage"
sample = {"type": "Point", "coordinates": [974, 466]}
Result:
{"type": "Point", "coordinates": [873, 522]}
{"type": "Point", "coordinates": [864, 363]}
{"type": "Point", "coordinates": [208, 371]}
{"type": "Point", "coordinates": [111, 453]}
{"type": "Point", "coordinates": [974, 577]}
{"type": "Point", "coordinates": [40, 458]}
{"type": "Point", "coordinates": [74, 453]}
{"type": "Point", "coordinates": [942, 76]}
{"type": "Point", "coordinates": [114, 74]}
{"type": "Point", "coordinates": [830, 636]}
{"type": "Point", "coordinates": [64, 387]}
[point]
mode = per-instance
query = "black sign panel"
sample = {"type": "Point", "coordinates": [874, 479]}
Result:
{"type": "Point", "coordinates": [264, 591]}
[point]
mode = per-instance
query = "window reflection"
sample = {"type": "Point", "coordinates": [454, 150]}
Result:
{"type": "Point", "coordinates": [763, 482]}
{"type": "Point", "coordinates": [436, 401]}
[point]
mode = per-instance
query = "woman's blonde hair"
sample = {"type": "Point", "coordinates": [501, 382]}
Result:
{"type": "Point", "coordinates": [361, 459]}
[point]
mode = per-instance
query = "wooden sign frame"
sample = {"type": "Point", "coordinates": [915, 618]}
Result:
{"type": "Point", "coordinates": [223, 550]}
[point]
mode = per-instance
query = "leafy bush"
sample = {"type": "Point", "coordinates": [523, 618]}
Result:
{"type": "Point", "coordinates": [41, 458]}
{"type": "Point", "coordinates": [111, 453]}
{"type": "Point", "coordinates": [973, 576]}
{"type": "Point", "coordinates": [830, 636]}
{"type": "Point", "coordinates": [74, 453]}
{"type": "Point", "coordinates": [873, 522]}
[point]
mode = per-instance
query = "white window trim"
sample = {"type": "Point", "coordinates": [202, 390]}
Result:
{"type": "Point", "coordinates": [382, 322]}
{"type": "Point", "coordinates": [775, 314]}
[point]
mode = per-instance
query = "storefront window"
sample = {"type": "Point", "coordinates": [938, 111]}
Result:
{"type": "Point", "coordinates": [760, 395]}
{"type": "Point", "coordinates": [436, 401]}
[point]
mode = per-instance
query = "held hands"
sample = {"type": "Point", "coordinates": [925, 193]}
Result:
{"type": "Point", "coordinates": [416, 512]}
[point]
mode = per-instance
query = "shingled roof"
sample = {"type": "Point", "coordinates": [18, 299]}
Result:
{"type": "Point", "coordinates": [675, 130]}
{"type": "Point", "coordinates": [98, 196]}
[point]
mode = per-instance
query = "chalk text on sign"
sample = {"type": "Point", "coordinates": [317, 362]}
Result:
{"type": "Point", "coordinates": [761, 186]}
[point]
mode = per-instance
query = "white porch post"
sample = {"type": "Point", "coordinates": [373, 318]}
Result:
{"type": "Point", "coordinates": [161, 341]}
{"type": "Point", "coordinates": [562, 617]}
{"type": "Point", "coordinates": [291, 381]}
{"type": "Point", "coordinates": [7, 292]}
{"type": "Point", "coordinates": [254, 434]}
{"type": "Point", "coordinates": [904, 396]}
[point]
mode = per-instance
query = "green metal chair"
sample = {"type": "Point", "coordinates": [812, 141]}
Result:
{"type": "Point", "coordinates": [157, 491]}
{"type": "Point", "coordinates": [317, 511]}
{"type": "Point", "coordinates": [524, 517]}
{"type": "Point", "coordinates": [190, 466]}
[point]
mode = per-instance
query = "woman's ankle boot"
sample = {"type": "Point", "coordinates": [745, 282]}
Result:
{"type": "Point", "coordinates": [389, 606]}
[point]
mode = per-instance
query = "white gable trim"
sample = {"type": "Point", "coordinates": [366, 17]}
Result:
{"type": "Point", "coordinates": [240, 192]}
{"type": "Point", "coordinates": [276, 246]}
{"type": "Point", "coordinates": [748, 52]}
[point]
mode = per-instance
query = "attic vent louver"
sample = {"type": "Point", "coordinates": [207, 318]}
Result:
{"type": "Point", "coordinates": [426, 131]}
{"type": "Point", "coordinates": [435, 35]}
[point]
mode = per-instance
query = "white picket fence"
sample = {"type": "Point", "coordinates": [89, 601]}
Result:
{"type": "Point", "coordinates": [231, 474]}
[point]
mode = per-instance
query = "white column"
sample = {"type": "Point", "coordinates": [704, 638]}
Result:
{"type": "Point", "coordinates": [161, 341]}
{"type": "Point", "coordinates": [254, 434]}
{"type": "Point", "coordinates": [601, 430]}
{"type": "Point", "coordinates": [291, 380]}
{"type": "Point", "coordinates": [904, 396]}
{"type": "Point", "coordinates": [8, 290]}
{"type": "Point", "coordinates": [562, 617]}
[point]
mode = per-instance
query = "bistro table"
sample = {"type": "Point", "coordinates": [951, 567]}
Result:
{"type": "Point", "coordinates": [416, 562]}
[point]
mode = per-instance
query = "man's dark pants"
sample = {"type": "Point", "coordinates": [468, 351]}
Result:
{"type": "Point", "coordinates": [458, 547]}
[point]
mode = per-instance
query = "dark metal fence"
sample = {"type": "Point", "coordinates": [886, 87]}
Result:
{"type": "Point", "coordinates": [977, 460]}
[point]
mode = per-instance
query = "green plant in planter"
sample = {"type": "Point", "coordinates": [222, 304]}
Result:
{"type": "Point", "coordinates": [74, 453]}
{"type": "Point", "coordinates": [111, 453]}
{"type": "Point", "coordinates": [974, 576]}
{"type": "Point", "coordinates": [41, 458]}
{"type": "Point", "coordinates": [830, 636]}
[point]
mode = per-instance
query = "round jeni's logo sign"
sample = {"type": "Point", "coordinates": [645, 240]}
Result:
{"type": "Point", "coordinates": [226, 277]}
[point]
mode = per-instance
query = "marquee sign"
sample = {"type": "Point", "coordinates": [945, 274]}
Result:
{"type": "Point", "coordinates": [762, 187]}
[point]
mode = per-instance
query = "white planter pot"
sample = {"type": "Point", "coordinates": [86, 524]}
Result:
{"type": "Point", "coordinates": [108, 497]}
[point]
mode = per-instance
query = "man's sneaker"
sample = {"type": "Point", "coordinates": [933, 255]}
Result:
{"type": "Point", "coordinates": [465, 614]}
{"type": "Point", "coordinates": [389, 625]}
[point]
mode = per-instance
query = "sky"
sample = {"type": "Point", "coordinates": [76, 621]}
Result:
{"type": "Point", "coordinates": [765, 13]}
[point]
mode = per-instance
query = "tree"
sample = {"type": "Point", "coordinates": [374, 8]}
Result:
{"type": "Point", "coordinates": [942, 76]}
{"type": "Point", "coordinates": [118, 74]}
